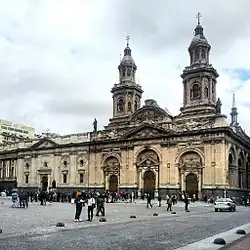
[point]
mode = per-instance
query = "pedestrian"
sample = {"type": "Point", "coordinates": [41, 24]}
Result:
{"type": "Point", "coordinates": [79, 202]}
{"type": "Point", "coordinates": [100, 205]}
{"type": "Point", "coordinates": [91, 206]}
{"type": "Point", "coordinates": [170, 202]}
{"type": "Point", "coordinates": [149, 201]}
{"type": "Point", "coordinates": [159, 200]}
{"type": "Point", "coordinates": [186, 201]}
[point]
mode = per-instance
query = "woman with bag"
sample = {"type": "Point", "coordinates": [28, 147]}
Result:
{"type": "Point", "coordinates": [91, 206]}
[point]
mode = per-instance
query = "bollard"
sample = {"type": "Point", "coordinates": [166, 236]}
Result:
{"type": "Point", "coordinates": [102, 220]}
{"type": "Point", "coordinates": [219, 241]}
{"type": "Point", "coordinates": [60, 224]}
{"type": "Point", "coordinates": [240, 231]}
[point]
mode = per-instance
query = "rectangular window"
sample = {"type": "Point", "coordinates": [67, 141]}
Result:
{"type": "Point", "coordinates": [81, 178]}
{"type": "Point", "coordinates": [26, 179]}
{"type": "Point", "coordinates": [64, 178]}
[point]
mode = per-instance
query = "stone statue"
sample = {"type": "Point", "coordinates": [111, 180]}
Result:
{"type": "Point", "coordinates": [95, 125]}
{"type": "Point", "coordinates": [218, 107]}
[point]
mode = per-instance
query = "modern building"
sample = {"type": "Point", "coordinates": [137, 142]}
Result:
{"type": "Point", "coordinates": [144, 148]}
{"type": "Point", "coordinates": [10, 132]}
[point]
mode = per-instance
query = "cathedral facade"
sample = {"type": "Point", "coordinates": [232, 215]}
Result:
{"type": "Point", "coordinates": [144, 148]}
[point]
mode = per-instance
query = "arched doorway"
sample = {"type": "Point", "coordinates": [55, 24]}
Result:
{"type": "Point", "coordinates": [113, 183]}
{"type": "Point", "coordinates": [149, 182]}
{"type": "Point", "coordinates": [44, 182]}
{"type": "Point", "coordinates": [191, 185]}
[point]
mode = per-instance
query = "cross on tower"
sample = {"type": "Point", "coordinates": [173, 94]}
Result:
{"type": "Point", "coordinates": [198, 16]}
{"type": "Point", "coordinates": [127, 38]}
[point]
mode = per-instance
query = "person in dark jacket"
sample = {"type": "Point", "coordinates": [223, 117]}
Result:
{"type": "Point", "coordinates": [100, 205]}
{"type": "Point", "coordinates": [78, 202]}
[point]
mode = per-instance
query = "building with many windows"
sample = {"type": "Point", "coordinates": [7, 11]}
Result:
{"type": "Point", "coordinates": [10, 132]}
{"type": "Point", "coordinates": [144, 148]}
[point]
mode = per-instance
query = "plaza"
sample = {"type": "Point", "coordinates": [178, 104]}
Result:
{"type": "Point", "coordinates": [35, 227]}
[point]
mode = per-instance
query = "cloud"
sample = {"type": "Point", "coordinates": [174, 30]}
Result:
{"type": "Point", "coordinates": [58, 59]}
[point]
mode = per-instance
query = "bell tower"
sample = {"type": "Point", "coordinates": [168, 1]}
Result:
{"type": "Point", "coordinates": [126, 94]}
{"type": "Point", "coordinates": [199, 78]}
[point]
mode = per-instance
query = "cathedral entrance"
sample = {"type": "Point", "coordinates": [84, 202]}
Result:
{"type": "Point", "coordinates": [149, 182]}
{"type": "Point", "coordinates": [191, 185]}
{"type": "Point", "coordinates": [113, 183]}
{"type": "Point", "coordinates": [44, 182]}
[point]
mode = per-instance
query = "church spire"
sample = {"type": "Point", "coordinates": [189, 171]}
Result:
{"type": "Point", "coordinates": [199, 78]}
{"type": "Point", "coordinates": [126, 93]}
{"type": "Point", "coordinates": [234, 113]}
{"type": "Point", "coordinates": [199, 47]}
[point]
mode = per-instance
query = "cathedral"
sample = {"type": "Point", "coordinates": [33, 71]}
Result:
{"type": "Point", "coordinates": [144, 148]}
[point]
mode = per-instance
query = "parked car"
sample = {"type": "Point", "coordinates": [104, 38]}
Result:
{"type": "Point", "coordinates": [224, 204]}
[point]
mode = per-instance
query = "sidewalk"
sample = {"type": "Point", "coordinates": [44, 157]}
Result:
{"type": "Point", "coordinates": [240, 244]}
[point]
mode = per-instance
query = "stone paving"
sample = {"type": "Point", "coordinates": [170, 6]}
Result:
{"type": "Point", "coordinates": [146, 232]}
{"type": "Point", "coordinates": [38, 219]}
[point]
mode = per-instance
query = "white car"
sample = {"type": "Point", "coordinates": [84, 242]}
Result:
{"type": "Point", "coordinates": [224, 204]}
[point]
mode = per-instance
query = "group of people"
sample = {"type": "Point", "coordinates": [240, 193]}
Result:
{"type": "Point", "coordinates": [92, 201]}
{"type": "Point", "coordinates": [19, 199]}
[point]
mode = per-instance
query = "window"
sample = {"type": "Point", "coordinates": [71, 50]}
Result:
{"type": "Point", "coordinates": [135, 108]}
{"type": "Point", "coordinates": [65, 163]}
{"type": "Point", "coordinates": [45, 164]}
{"type": "Point", "coordinates": [81, 163]}
{"type": "Point", "coordinates": [128, 72]}
{"type": "Point", "coordinates": [129, 106]}
{"type": "Point", "coordinates": [81, 178]}
{"type": "Point", "coordinates": [64, 178]}
{"type": "Point", "coordinates": [195, 92]}
{"type": "Point", "coordinates": [203, 55]}
{"type": "Point", "coordinates": [123, 72]}
{"type": "Point", "coordinates": [26, 179]}
{"type": "Point", "coordinates": [11, 172]}
{"type": "Point", "coordinates": [120, 105]}
{"type": "Point", "coordinates": [197, 55]}
{"type": "Point", "coordinates": [206, 92]}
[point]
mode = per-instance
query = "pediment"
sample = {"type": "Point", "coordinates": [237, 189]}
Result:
{"type": "Point", "coordinates": [146, 131]}
{"type": "Point", "coordinates": [44, 143]}
{"type": "Point", "coordinates": [148, 162]}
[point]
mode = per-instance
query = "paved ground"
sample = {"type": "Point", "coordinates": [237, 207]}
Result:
{"type": "Point", "coordinates": [34, 228]}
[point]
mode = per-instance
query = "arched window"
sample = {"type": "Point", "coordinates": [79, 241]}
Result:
{"type": "Point", "coordinates": [123, 72]}
{"type": "Point", "coordinates": [129, 106]}
{"type": "Point", "coordinates": [230, 159]}
{"type": "Point", "coordinates": [128, 72]}
{"type": "Point", "coordinates": [197, 55]}
{"type": "Point", "coordinates": [135, 106]}
{"type": "Point", "coordinates": [206, 91]}
{"type": "Point", "coordinates": [203, 55]}
{"type": "Point", "coordinates": [120, 106]}
{"type": "Point", "coordinates": [195, 92]}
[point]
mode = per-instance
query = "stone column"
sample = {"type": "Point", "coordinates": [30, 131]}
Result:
{"type": "Point", "coordinates": [183, 186]}
{"type": "Point", "coordinates": [106, 181]}
{"type": "Point", "coordinates": [49, 180]}
{"type": "Point", "coordinates": [200, 184]}
{"type": "Point", "coordinates": [140, 183]}
{"type": "Point", "coordinates": [156, 182]}
{"type": "Point", "coordinates": [7, 173]}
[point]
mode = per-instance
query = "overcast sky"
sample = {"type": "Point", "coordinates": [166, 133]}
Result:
{"type": "Point", "coordinates": [59, 58]}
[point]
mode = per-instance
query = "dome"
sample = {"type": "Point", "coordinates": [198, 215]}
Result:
{"type": "Point", "coordinates": [127, 59]}
{"type": "Point", "coordinates": [199, 38]}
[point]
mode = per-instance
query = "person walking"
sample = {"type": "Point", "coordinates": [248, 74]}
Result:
{"type": "Point", "coordinates": [149, 201]}
{"type": "Point", "coordinates": [91, 206]}
{"type": "Point", "coordinates": [78, 202]}
{"type": "Point", "coordinates": [169, 202]}
{"type": "Point", "coordinates": [100, 205]}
